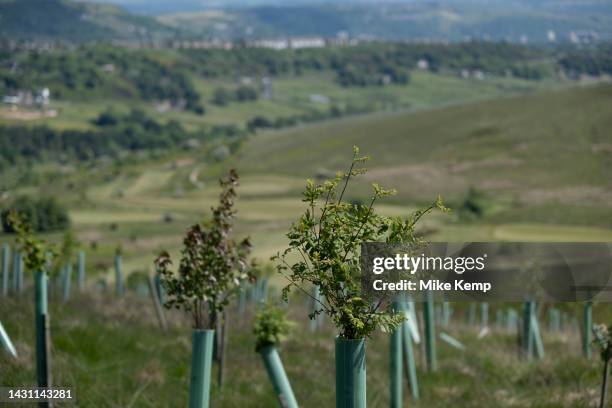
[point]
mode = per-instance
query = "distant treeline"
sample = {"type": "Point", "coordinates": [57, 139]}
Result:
{"type": "Point", "coordinates": [103, 71]}
{"type": "Point", "coordinates": [113, 133]}
{"type": "Point", "coordinates": [591, 61]}
{"type": "Point", "coordinates": [168, 75]}
{"type": "Point", "coordinates": [371, 64]}
{"type": "Point", "coordinates": [43, 214]}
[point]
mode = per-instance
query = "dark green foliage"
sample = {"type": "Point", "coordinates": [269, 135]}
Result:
{"type": "Point", "coordinates": [246, 93]}
{"type": "Point", "coordinates": [594, 61]}
{"type": "Point", "coordinates": [262, 122]}
{"type": "Point", "coordinates": [271, 327]}
{"type": "Point", "coordinates": [114, 133]}
{"type": "Point", "coordinates": [42, 214]}
{"type": "Point", "coordinates": [222, 96]}
{"type": "Point", "coordinates": [475, 205]}
{"type": "Point", "coordinates": [259, 122]}
{"type": "Point", "coordinates": [212, 265]}
{"type": "Point", "coordinates": [99, 70]}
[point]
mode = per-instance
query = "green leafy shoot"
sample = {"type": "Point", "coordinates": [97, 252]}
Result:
{"type": "Point", "coordinates": [212, 265]}
{"type": "Point", "coordinates": [271, 327]}
{"type": "Point", "coordinates": [326, 241]}
{"type": "Point", "coordinates": [38, 254]}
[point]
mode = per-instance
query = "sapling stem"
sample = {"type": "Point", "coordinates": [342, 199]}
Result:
{"type": "Point", "coordinates": [161, 318]}
{"type": "Point", "coordinates": [604, 385]}
{"type": "Point", "coordinates": [587, 330]}
{"type": "Point", "coordinates": [118, 275]}
{"type": "Point", "coordinates": [67, 281]}
{"type": "Point", "coordinates": [410, 360]}
{"type": "Point", "coordinates": [430, 335]}
{"type": "Point", "coordinates": [6, 260]}
{"type": "Point", "coordinates": [81, 270]}
{"type": "Point", "coordinates": [395, 363]}
{"type": "Point", "coordinates": [278, 377]}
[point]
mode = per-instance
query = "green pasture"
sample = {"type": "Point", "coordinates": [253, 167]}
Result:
{"type": "Point", "coordinates": [291, 97]}
{"type": "Point", "coordinates": [113, 354]}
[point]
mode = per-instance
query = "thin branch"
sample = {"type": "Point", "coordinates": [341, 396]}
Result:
{"type": "Point", "coordinates": [365, 220]}
{"type": "Point", "coordinates": [421, 214]}
{"type": "Point", "coordinates": [348, 177]}
{"type": "Point", "coordinates": [302, 289]}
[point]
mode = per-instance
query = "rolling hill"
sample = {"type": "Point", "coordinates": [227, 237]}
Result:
{"type": "Point", "coordinates": [456, 20]}
{"type": "Point", "coordinates": [71, 21]}
{"type": "Point", "coordinates": [424, 20]}
{"type": "Point", "coordinates": [546, 156]}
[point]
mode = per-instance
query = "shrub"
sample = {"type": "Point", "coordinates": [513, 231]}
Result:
{"type": "Point", "coordinates": [324, 249]}
{"type": "Point", "coordinates": [475, 205]}
{"type": "Point", "coordinates": [246, 93]}
{"type": "Point", "coordinates": [212, 265]}
{"type": "Point", "coordinates": [44, 214]}
{"type": "Point", "coordinates": [271, 327]}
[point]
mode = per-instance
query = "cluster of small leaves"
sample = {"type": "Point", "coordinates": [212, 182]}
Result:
{"type": "Point", "coordinates": [212, 264]}
{"type": "Point", "coordinates": [37, 252]}
{"type": "Point", "coordinates": [271, 327]}
{"type": "Point", "coordinates": [603, 340]}
{"type": "Point", "coordinates": [327, 241]}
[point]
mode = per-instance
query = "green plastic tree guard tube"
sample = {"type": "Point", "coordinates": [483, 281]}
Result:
{"type": "Point", "coordinates": [201, 365]}
{"type": "Point", "coordinates": [118, 276]}
{"type": "Point", "coordinates": [81, 270]}
{"type": "Point", "coordinates": [242, 300]}
{"type": "Point", "coordinates": [527, 334]}
{"type": "Point", "coordinates": [410, 361]}
{"type": "Point", "coordinates": [350, 373]}
{"type": "Point", "coordinates": [430, 331]}
{"type": "Point", "coordinates": [537, 338]}
{"type": "Point", "coordinates": [17, 272]}
{"type": "Point", "coordinates": [587, 329]}
{"type": "Point", "coordinates": [409, 353]}
{"type": "Point", "coordinates": [484, 315]}
{"type": "Point", "coordinates": [42, 331]}
{"type": "Point", "coordinates": [316, 298]}
{"type": "Point", "coordinates": [471, 314]}
{"type": "Point", "coordinates": [6, 342]}
{"type": "Point", "coordinates": [395, 363]}
{"type": "Point", "coordinates": [160, 288]}
{"type": "Point", "coordinates": [263, 292]}
{"type": "Point", "coordinates": [446, 313]}
{"type": "Point", "coordinates": [277, 375]}
{"type": "Point", "coordinates": [6, 253]}
{"type": "Point", "coordinates": [67, 281]}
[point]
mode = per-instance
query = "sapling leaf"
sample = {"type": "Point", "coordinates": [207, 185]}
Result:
{"type": "Point", "coordinates": [326, 241]}
{"type": "Point", "coordinates": [212, 265]}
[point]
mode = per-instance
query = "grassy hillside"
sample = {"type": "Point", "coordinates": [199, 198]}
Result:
{"type": "Point", "coordinates": [113, 355]}
{"type": "Point", "coordinates": [71, 21]}
{"type": "Point", "coordinates": [530, 152]}
{"type": "Point", "coordinates": [454, 21]}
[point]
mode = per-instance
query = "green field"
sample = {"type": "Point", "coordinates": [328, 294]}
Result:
{"type": "Point", "coordinates": [543, 159]}
{"type": "Point", "coordinates": [114, 355]}
{"type": "Point", "coordinates": [291, 97]}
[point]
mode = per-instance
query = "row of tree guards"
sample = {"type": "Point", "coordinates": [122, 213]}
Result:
{"type": "Point", "coordinates": [256, 294]}
{"type": "Point", "coordinates": [326, 241]}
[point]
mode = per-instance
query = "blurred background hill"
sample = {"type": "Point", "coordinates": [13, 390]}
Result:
{"type": "Point", "coordinates": [458, 20]}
